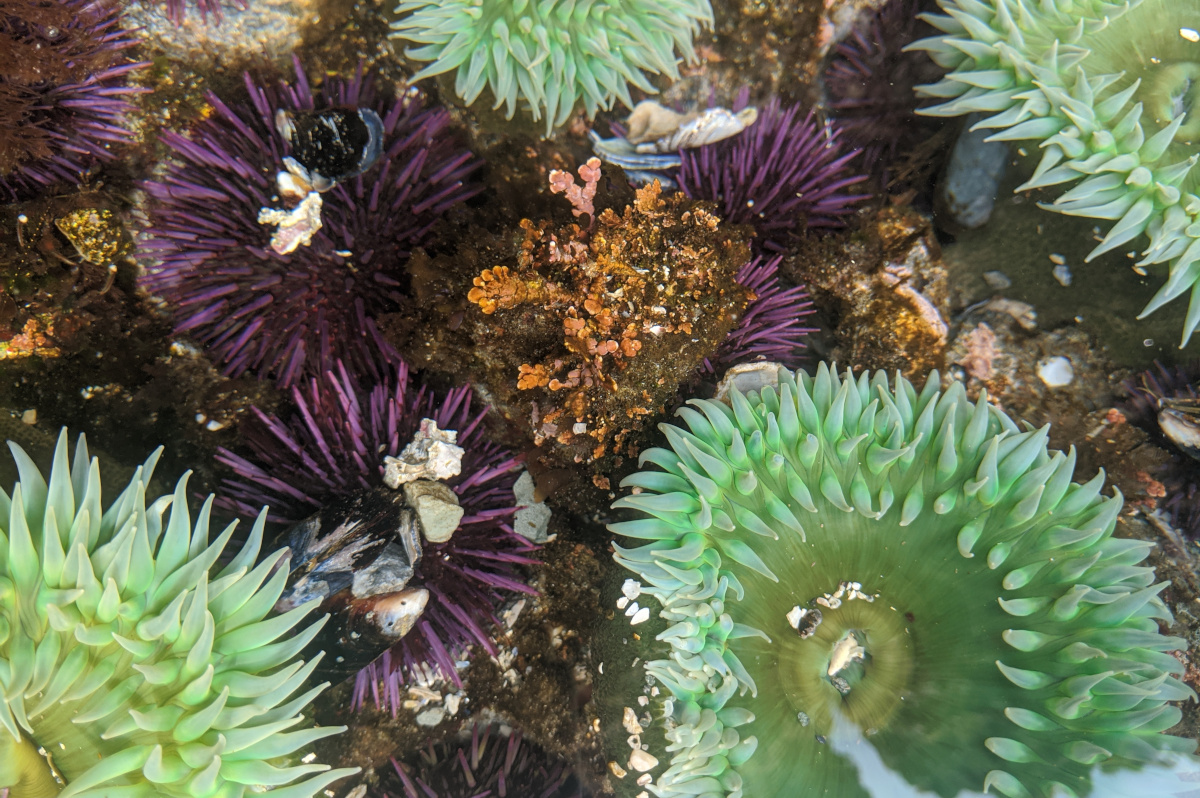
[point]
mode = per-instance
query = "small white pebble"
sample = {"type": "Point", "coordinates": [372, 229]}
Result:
{"type": "Point", "coordinates": [431, 717]}
{"type": "Point", "coordinates": [630, 722]}
{"type": "Point", "coordinates": [631, 589]}
{"type": "Point", "coordinates": [617, 770]}
{"type": "Point", "coordinates": [1056, 371]}
{"type": "Point", "coordinates": [644, 779]}
{"type": "Point", "coordinates": [621, 602]}
{"type": "Point", "coordinates": [795, 615]}
{"type": "Point", "coordinates": [1063, 274]}
{"type": "Point", "coordinates": [632, 609]}
{"type": "Point", "coordinates": [641, 761]}
{"type": "Point", "coordinates": [641, 616]}
{"type": "Point", "coordinates": [29, 417]}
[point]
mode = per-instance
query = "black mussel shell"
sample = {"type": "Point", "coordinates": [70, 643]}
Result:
{"type": "Point", "coordinates": [357, 555]}
{"type": "Point", "coordinates": [334, 144]}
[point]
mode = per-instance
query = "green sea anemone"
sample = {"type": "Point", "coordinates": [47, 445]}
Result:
{"type": "Point", "coordinates": [842, 555]}
{"type": "Point", "coordinates": [1110, 90]}
{"type": "Point", "coordinates": [548, 54]}
{"type": "Point", "coordinates": [132, 662]}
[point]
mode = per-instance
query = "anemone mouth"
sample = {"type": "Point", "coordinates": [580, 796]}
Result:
{"type": "Point", "coordinates": [979, 624]}
{"type": "Point", "coordinates": [857, 663]}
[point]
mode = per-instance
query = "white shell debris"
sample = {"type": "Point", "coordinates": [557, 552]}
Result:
{"type": "Point", "coordinates": [804, 621]}
{"type": "Point", "coordinates": [532, 519]}
{"type": "Point", "coordinates": [845, 652]}
{"type": "Point", "coordinates": [437, 508]}
{"type": "Point", "coordinates": [641, 616]}
{"type": "Point", "coordinates": [431, 717]}
{"type": "Point", "coordinates": [431, 455]}
{"type": "Point", "coordinates": [294, 228]}
{"type": "Point", "coordinates": [1056, 371]}
{"type": "Point", "coordinates": [997, 281]}
{"type": "Point", "coordinates": [630, 722]}
{"type": "Point", "coordinates": [653, 128]}
{"type": "Point", "coordinates": [510, 615]}
{"type": "Point", "coordinates": [1062, 273]}
{"type": "Point", "coordinates": [748, 377]}
{"type": "Point", "coordinates": [642, 761]}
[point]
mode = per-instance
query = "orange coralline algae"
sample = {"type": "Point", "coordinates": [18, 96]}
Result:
{"type": "Point", "coordinates": [637, 301]}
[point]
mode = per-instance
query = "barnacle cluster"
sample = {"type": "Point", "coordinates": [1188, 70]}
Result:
{"type": "Point", "coordinates": [547, 56]}
{"type": "Point", "coordinates": [1108, 90]}
{"type": "Point", "coordinates": [839, 553]}
{"type": "Point", "coordinates": [133, 659]}
{"type": "Point", "coordinates": [619, 313]}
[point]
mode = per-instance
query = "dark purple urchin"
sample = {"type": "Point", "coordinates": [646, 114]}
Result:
{"type": "Point", "coordinates": [1181, 475]}
{"type": "Point", "coordinates": [785, 173]}
{"type": "Point", "coordinates": [297, 314]}
{"type": "Point", "coordinates": [772, 327]}
{"type": "Point", "coordinates": [870, 82]}
{"type": "Point", "coordinates": [492, 765]}
{"type": "Point", "coordinates": [334, 444]}
{"type": "Point", "coordinates": [62, 91]}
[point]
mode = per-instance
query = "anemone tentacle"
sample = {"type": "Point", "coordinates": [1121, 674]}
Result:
{"type": "Point", "coordinates": [141, 664]}
{"type": "Point", "coordinates": [547, 56]}
{"type": "Point", "coordinates": [1108, 89]}
{"type": "Point", "coordinates": [840, 553]}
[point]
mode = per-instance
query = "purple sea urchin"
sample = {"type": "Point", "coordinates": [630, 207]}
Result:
{"type": "Point", "coordinates": [869, 83]}
{"type": "Point", "coordinates": [296, 314]}
{"type": "Point", "coordinates": [843, 555]}
{"type": "Point", "coordinates": [62, 91]}
{"type": "Point", "coordinates": [491, 765]}
{"type": "Point", "coordinates": [784, 174]}
{"type": "Point", "coordinates": [131, 662]}
{"type": "Point", "coordinates": [177, 10]}
{"type": "Point", "coordinates": [772, 326]}
{"type": "Point", "coordinates": [333, 444]}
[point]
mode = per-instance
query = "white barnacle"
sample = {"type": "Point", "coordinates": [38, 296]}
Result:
{"type": "Point", "coordinates": [293, 228]}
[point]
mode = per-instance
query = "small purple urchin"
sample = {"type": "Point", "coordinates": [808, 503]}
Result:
{"type": "Point", "coordinates": [783, 174]}
{"type": "Point", "coordinates": [334, 444]}
{"type": "Point", "coordinates": [492, 766]}
{"type": "Point", "coordinates": [771, 328]}
{"type": "Point", "coordinates": [870, 84]}
{"type": "Point", "coordinates": [177, 10]}
{"type": "Point", "coordinates": [296, 314]}
{"type": "Point", "coordinates": [62, 91]}
{"type": "Point", "coordinates": [1181, 475]}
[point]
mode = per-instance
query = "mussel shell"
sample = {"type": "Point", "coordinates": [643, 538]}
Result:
{"type": "Point", "coordinates": [360, 630]}
{"type": "Point", "coordinates": [1180, 422]}
{"type": "Point", "coordinates": [367, 544]}
{"type": "Point", "coordinates": [333, 144]}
